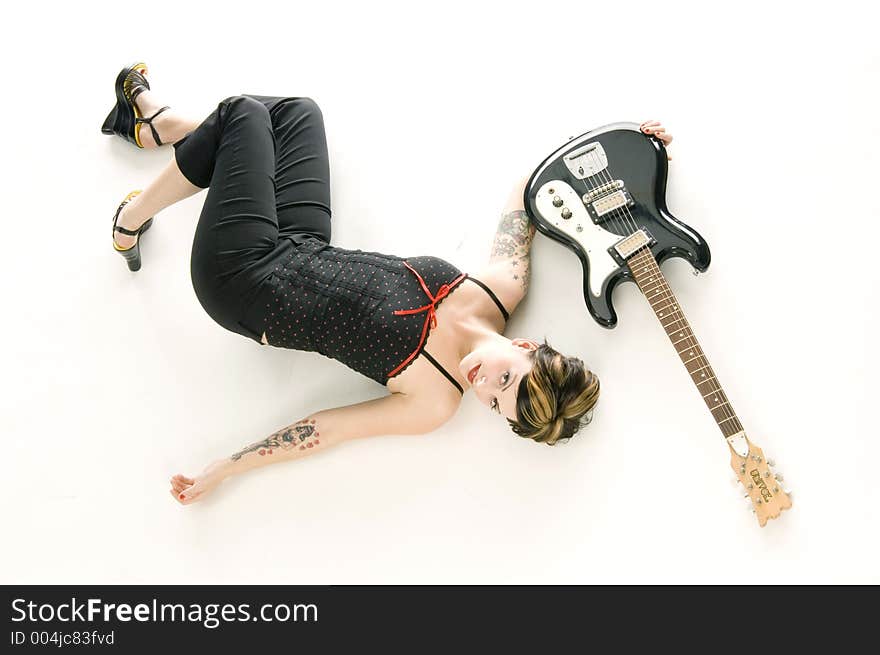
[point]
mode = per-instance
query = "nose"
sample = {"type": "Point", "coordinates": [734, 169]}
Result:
{"type": "Point", "coordinates": [480, 387]}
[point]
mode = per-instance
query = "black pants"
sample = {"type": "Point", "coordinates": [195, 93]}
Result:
{"type": "Point", "coordinates": [264, 160]}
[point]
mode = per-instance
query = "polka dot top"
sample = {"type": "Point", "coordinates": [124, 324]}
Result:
{"type": "Point", "coordinates": [371, 311]}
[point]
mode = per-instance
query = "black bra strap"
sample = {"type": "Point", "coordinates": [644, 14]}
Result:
{"type": "Point", "coordinates": [494, 297]}
{"type": "Point", "coordinates": [442, 370]}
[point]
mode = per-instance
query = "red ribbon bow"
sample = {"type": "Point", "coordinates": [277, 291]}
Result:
{"type": "Point", "coordinates": [431, 318]}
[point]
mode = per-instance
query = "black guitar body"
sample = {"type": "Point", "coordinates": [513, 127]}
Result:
{"type": "Point", "coordinates": [600, 188]}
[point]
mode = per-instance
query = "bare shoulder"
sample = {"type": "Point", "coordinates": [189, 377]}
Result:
{"type": "Point", "coordinates": [508, 279]}
{"type": "Point", "coordinates": [436, 405]}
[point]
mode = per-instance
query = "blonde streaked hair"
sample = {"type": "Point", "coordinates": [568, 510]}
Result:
{"type": "Point", "coordinates": [556, 398]}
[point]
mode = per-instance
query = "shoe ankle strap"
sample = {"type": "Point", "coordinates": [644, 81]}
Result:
{"type": "Point", "coordinates": [149, 121]}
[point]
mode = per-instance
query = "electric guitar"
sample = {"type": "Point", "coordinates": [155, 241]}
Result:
{"type": "Point", "coordinates": [602, 195]}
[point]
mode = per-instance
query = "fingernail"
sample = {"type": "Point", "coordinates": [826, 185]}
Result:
{"type": "Point", "coordinates": [181, 496]}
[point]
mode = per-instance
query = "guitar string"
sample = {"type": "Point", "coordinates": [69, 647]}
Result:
{"type": "Point", "coordinates": [647, 261]}
{"type": "Point", "coordinates": [619, 227]}
{"type": "Point", "coordinates": [665, 293]}
{"type": "Point", "coordinates": [615, 211]}
{"type": "Point", "coordinates": [690, 340]}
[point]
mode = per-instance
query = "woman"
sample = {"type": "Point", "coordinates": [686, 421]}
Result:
{"type": "Point", "coordinates": [262, 266]}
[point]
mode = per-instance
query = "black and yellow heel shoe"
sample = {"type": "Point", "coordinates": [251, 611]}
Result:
{"type": "Point", "coordinates": [125, 119]}
{"type": "Point", "coordinates": [132, 254]}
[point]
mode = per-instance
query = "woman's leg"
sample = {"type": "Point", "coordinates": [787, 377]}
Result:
{"type": "Point", "coordinates": [302, 169]}
{"type": "Point", "coordinates": [170, 125]}
{"type": "Point", "coordinates": [168, 188]}
{"type": "Point", "coordinates": [171, 185]}
{"type": "Point", "coordinates": [233, 153]}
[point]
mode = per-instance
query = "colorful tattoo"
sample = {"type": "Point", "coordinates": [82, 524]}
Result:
{"type": "Point", "coordinates": [513, 242]}
{"type": "Point", "coordinates": [302, 434]}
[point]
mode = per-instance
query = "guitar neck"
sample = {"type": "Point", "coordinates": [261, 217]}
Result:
{"type": "Point", "coordinates": [668, 310]}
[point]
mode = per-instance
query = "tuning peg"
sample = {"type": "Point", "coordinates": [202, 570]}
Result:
{"type": "Point", "coordinates": [770, 462]}
{"type": "Point", "coordinates": [734, 480]}
{"type": "Point", "coordinates": [778, 476]}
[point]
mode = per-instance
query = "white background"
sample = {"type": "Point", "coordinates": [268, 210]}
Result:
{"type": "Point", "coordinates": [114, 381]}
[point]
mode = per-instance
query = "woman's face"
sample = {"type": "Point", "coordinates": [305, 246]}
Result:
{"type": "Point", "coordinates": [501, 365]}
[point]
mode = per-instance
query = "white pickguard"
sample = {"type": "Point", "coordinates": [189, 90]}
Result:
{"type": "Point", "coordinates": [593, 239]}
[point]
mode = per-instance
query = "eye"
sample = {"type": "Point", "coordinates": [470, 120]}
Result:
{"type": "Point", "coordinates": [494, 403]}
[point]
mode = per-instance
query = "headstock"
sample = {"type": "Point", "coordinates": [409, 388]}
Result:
{"type": "Point", "coordinates": [762, 488]}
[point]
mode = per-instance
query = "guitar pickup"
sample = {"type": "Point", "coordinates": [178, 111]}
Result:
{"type": "Point", "coordinates": [628, 246]}
{"type": "Point", "coordinates": [600, 208]}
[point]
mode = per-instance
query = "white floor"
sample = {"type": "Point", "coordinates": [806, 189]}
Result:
{"type": "Point", "coordinates": [115, 381]}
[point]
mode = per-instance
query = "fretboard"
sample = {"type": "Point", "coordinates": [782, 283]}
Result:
{"type": "Point", "coordinates": [668, 310]}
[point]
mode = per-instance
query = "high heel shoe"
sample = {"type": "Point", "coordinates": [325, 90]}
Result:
{"type": "Point", "coordinates": [125, 119]}
{"type": "Point", "coordinates": [132, 254]}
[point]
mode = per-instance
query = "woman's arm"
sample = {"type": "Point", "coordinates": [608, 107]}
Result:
{"type": "Point", "coordinates": [512, 244]}
{"type": "Point", "coordinates": [393, 414]}
{"type": "Point", "coordinates": [290, 442]}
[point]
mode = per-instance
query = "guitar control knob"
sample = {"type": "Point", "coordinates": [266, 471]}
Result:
{"type": "Point", "coordinates": [566, 213]}
{"type": "Point", "coordinates": [557, 201]}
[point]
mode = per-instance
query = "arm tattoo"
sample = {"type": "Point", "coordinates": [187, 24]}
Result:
{"type": "Point", "coordinates": [513, 241]}
{"type": "Point", "coordinates": [302, 434]}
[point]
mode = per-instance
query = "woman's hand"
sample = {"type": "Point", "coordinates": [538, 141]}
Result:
{"type": "Point", "coordinates": [655, 129]}
{"type": "Point", "coordinates": [190, 490]}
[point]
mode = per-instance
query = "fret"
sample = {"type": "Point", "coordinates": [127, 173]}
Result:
{"type": "Point", "coordinates": [723, 415]}
{"type": "Point", "coordinates": [671, 322]}
{"type": "Point", "coordinates": [659, 295]}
